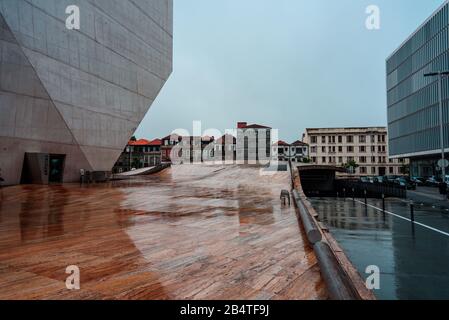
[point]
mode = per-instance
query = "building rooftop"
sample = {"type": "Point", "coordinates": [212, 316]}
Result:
{"type": "Point", "coordinates": [379, 128]}
{"type": "Point", "coordinates": [299, 143]}
{"type": "Point", "coordinates": [244, 125]}
{"type": "Point", "coordinates": [145, 142]}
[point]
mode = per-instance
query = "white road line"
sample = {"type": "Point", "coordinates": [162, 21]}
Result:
{"type": "Point", "coordinates": [406, 219]}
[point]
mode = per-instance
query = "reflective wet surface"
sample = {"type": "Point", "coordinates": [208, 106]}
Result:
{"type": "Point", "coordinates": [413, 259]}
{"type": "Point", "coordinates": [189, 232]}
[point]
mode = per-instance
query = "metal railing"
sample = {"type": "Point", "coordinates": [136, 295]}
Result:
{"type": "Point", "coordinates": [357, 189]}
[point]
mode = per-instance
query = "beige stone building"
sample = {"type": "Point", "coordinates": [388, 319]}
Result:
{"type": "Point", "coordinates": [367, 146]}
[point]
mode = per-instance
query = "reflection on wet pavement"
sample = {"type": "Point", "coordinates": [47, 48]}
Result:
{"type": "Point", "coordinates": [188, 232]}
{"type": "Point", "coordinates": [414, 261]}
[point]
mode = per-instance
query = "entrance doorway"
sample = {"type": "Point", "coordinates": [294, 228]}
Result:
{"type": "Point", "coordinates": [43, 168]}
{"type": "Point", "coordinates": [382, 171]}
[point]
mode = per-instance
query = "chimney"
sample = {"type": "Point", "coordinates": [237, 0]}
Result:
{"type": "Point", "coordinates": [241, 125]}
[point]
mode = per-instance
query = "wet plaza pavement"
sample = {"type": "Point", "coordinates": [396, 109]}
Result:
{"type": "Point", "coordinates": [413, 258]}
{"type": "Point", "coordinates": [189, 232]}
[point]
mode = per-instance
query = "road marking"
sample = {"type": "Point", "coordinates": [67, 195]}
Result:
{"type": "Point", "coordinates": [406, 219]}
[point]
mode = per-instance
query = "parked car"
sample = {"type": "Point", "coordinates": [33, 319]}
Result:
{"type": "Point", "coordinates": [419, 181]}
{"type": "Point", "coordinates": [406, 183]}
{"type": "Point", "coordinates": [433, 182]}
{"type": "Point", "coordinates": [364, 179]}
{"type": "Point", "coordinates": [391, 179]}
{"type": "Point", "coordinates": [380, 180]}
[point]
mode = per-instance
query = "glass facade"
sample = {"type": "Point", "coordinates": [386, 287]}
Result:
{"type": "Point", "coordinates": [413, 118]}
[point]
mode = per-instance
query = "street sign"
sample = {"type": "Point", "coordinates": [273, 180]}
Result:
{"type": "Point", "coordinates": [443, 163]}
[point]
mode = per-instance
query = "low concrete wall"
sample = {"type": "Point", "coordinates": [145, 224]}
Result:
{"type": "Point", "coordinates": [341, 278]}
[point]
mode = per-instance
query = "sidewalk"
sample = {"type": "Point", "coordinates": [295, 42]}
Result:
{"type": "Point", "coordinates": [428, 195]}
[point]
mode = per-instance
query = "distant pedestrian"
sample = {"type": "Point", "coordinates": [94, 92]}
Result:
{"type": "Point", "coordinates": [1, 181]}
{"type": "Point", "coordinates": [82, 176]}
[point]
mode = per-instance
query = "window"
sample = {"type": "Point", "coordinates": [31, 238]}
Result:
{"type": "Point", "coordinates": [323, 149]}
{"type": "Point", "coordinates": [323, 139]}
{"type": "Point", "coordinates": [340, 139]}
{"type": "Point", "coordinates": [340, 159]}
{"type": "Point", "coordinates": [362, 159]}
{"type": "Point", "coordinates": [373, 170]}
{"type": "Point", "coordinates": [373, 159]}
{"type": "Point", "coordinates": [313, 149]}
{"type": "Point", "coordinates": [314, 159]}
{"type": "Point", "coordinates": [363, 170]}
{"type": "Point", "coordinates": [362, 139]}
{"type": "Point", "coordinates": [362, 149]}
{"type": "Point", "coordinates": [323, 160]}
{"type": "Point", "coordinates": [391, 170]}
{"type": "Point", "coordinates": [373, 149]}
{"type": "Point", "coordinates": [349, 139]}
{"type": "Point", "coordinates": [313, 139]}
{"type": "Point", "coordinates": [350, 149]}
{"type": "Point", "coordinates": [340, 149]}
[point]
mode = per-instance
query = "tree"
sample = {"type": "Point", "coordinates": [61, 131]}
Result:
{"type": "Point", "coordinates": [405, 169]}
{"type": "Point", "coordinates": [133, 138]}
{"type": "Point", "coordinates": [350, 166]}
{"type": "Point", "coordinates": [306, 160]}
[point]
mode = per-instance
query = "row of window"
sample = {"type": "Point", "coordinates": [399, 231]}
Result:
{"type": "Point", "coordinates": [422, 120]}
{"type": "Point", "coordinates": [341, 160]}
{"type": "Point", "coordinates": [433, 49]}
{"type": "Point", "coordinates": [418, 101]}
{"type": "Point", "coordinates": [426, 140]}
{"type": "Point", "coordinates": [349, 149]}
{"type": "Point", "coordinates": [418, 81]}
{"type": "Point", "coordinates": [422, 36]}
{"type": "Point", "coordinates": [381, 138]}
{"type": "Point", "coordinates": [142, 149]}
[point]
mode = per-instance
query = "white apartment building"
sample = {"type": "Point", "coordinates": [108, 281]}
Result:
{"type": "Point", "coordinates": [297, 151]}
{"type": "Point", "coordinates": [368, 147]}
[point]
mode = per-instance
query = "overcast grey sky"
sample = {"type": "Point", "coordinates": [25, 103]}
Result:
{"type": "Point", "coordinates": [289, 64]}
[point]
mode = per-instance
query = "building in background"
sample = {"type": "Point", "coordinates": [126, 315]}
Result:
{"type": "Point", "coordinates": [194, 149]}
{"type": "Point", "coordinates": [71, 99]}
{"type": "Point", "coordinates": [139, 154]}
{"type": "Point", "coordinates": [365, 147]}
{"type": "Point", "coordinates": [225, 149]}
{"type": "Point", "coordinates": [297, 151]}
{"type": "Point", "coordinates": [253, 143]}
{"type": "Point", "coordinates": [413, 103]}
{"type": "Point", "coordinates": [168, 143]}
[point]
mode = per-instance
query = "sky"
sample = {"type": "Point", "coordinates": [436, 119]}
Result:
{"type": "Point", "coordinates": [287, 64]}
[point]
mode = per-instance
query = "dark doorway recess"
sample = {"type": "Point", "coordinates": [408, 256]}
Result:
{"type": "Point", "coordinates": [56, 166]}
{"type": "Point", "coordinates": [42, 168]}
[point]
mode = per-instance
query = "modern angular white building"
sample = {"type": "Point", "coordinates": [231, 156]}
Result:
{"type": "Point", "coordinates": [71, 99]}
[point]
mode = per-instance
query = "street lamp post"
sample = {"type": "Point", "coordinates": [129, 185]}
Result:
{"type": "Point", "coordinates": [440, 75]}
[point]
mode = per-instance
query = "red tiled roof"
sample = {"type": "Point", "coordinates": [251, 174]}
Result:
{"type": "Point", "coordinates": [244, 125]}
{"type": "Point", "coordinates": [299, 143]}
{"type": "Point", "coordinates": [256, 126]}
{"type": "Point", "coordinates": [281, 143]}
{"type": "Point", "coordinates": [145, 142]}
{"type": "Point", "coordinates": [140, 142]}
{"type": "Point", "coordinates": [156, 142]}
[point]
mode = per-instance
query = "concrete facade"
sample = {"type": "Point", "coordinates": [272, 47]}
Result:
{"type": "Point", "coordinates": [366, 146]}
{"type": "Point", "coordinates": [79, 93]}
